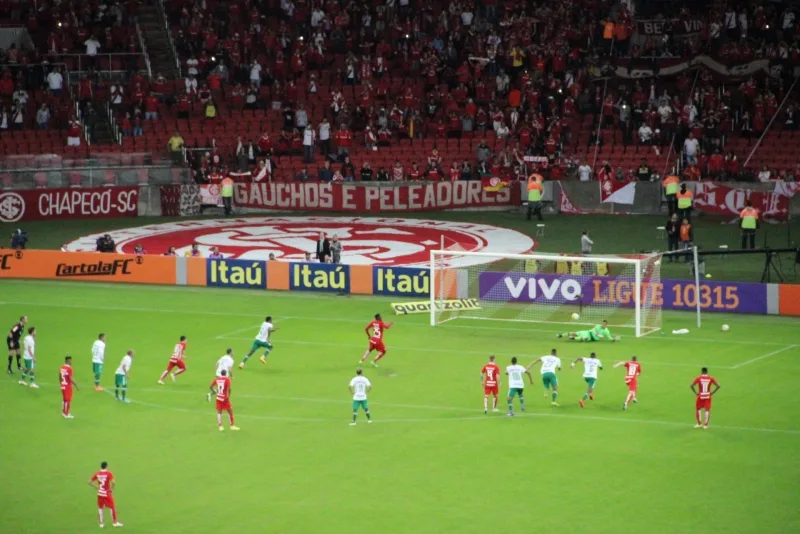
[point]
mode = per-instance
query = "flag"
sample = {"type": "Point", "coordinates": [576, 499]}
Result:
{"type": "Point", "coordinates": [494, 184]}
{"type": "Point", "coordinates": [617, 192]}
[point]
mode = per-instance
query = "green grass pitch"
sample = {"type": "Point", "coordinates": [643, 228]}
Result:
{"type": "Point", "coordinates": [431, 463]}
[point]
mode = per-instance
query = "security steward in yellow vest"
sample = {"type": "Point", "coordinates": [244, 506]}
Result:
{"type": "Point", "coordinates": [684, 198]}
{"type": "Point", "coordinates": [535, 195]}
{"type": "Point", "coordinates": [749, 216]}
{"type": "Point", "coordinates": [227, 195]}
{"type": "Point", "coordinates": [670, 184]}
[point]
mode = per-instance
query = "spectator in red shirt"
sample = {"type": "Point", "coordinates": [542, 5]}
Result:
{"type": "Point", "coordinates": [151, 107]}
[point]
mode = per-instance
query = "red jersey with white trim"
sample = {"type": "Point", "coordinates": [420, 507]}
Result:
{"type": "Point", "coordinates": [375, 330]}
{"type": "Point", "coordinates": [223, 386]}
{"type": "Point", "coordinates": [178, 352]}
{"type": "Point", "coordinates": [104, 478]}
{"type": "Point", "coordinates": [491, 371]}
{"type": "Point", "coordinates": [632, 371]}
{"type": "Point", "coordinates": [65, 377]}
{"type": "Point", "coordinates": [704, 383]}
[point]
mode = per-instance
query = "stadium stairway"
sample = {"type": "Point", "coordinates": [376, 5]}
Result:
{"type": "Point", "coordinates": [156, 39]}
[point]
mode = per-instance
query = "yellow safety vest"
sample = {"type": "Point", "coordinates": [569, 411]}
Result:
{"type": "Point", "coordinates": [685, 200]}
{"type": "Point", "coordinates": [227, 187]}
{"type": "Point", "coordinates": [749, 218]}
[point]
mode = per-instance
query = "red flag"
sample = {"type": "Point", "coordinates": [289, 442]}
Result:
{"type": "Point", "coordinates": [612, 190]}
{"type": "Point", "coordinates": [494, 184]}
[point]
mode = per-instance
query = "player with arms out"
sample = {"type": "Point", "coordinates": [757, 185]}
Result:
{"type": "Point", "coordinates": [374, 332]}
{"type": "Point", "coordinates": [98, 357]}
{"type": "Point", "coordinates": [590, 367]}
{"type": "Point", "coordinates": [490, 378]}
{"type": "Point", "coordinates": [121, 377]}
{"type": "Point", "coordinates": [632, 371]}
{"type": "Point", "coordinates": [261, 342]}
{"type": "Point", "coordinates": [516, 385]}
{"type": "Point", "coordinates": [359, 387]}
{"type": "Point", "coordinates": [598, 333]}
{"type": "Point", "coordinates": [224, 364]}
{"type": "Point", "coordinates": [12, 341]}
{"type": "Point", "coordinates": [550, 364]}
{"type": "Point", "coordinates": [176, 360]}
{"type": "Point", "coordinates": [66, 382]}
{"type": "Point", "coordinates": [221, 387]}
{"type": "Point", "coordinates": [702, 388]}
{"type": "Point", "coordinates": [29, 357]}
{"type": "Point", "coordinates": [103, 481]}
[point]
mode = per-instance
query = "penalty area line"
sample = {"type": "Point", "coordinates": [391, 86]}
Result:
{"type": "Point", "coordinates": [765, 356]}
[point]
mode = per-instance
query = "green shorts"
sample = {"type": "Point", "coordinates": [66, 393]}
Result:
{"type": "Point", "coordinates": [28, 364]}
{"type": "Point", "coordinates": [360, 404]}
{"type": "Point", "coordinates": [121, 381]}
{"type": "Point", "coordinates": [585, 335]}
{"type": "Point", "coordinates": [549, 380]}
{"type": "Point", "coordinates": [257, 344]}
{"type": "Point", "coordinates": [590, 381]}
{"type": "Point", "coordinates": [97, 368]}
{"type": "Point", "coordinates": [514, 391]}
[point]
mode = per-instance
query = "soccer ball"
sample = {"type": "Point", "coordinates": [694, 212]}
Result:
{"type": "Point", "coordinates": [725, 328]}
{"type": "Point", "coordinates": [575, 316]}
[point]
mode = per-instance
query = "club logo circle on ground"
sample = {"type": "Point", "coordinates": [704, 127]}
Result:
{"type": "Point", "coordinates": [12, 207]}
{"type": "Point", "coordinates": [365, 240]}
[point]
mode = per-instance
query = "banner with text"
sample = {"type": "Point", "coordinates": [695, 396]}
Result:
{"type": "Point", "coordinates": [245, 274]}
{"type": "Point", "coordinates": [722, 199]}
{"type": "Point", "coordinates": [401, 281]}
{"type": "Point", "coordinates": [731, 297]}
{"type": "Point", "coordinates": [72, 203]}
{"type": "Point", "coordinates": [372, 198]}
{"type": "Point", "coordinates": [328, 277]}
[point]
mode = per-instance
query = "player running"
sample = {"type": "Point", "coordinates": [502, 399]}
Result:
{"type": "Point", "coordinates": [261, 342]}
{"type": "Point", "coordinates": [104, 482]}
{"type": "Point", "coordinates": [98, 357]}
{"type": "Point", "coordinates": [550, 364]}
{"type": "Point", "coordinates": [374, 332]}
{"type": "Point", "coordinates": [490, 378]}
{"type": "Point", "coordinates": [66, 382]}
{"type": "Point", "coordinates": [516, 385]}
{"type": "Point", "coordinates": [224, 367]}
{"type": "Point", "coordinates": [632, 371]}
{"type": "Point", "coordinates": [29, 357]}
{"type": "Point", "coordinates": [12, 341]}
{"type": "Point", "coordinates": [121, 377]}
{"type": "Point", "coordinates": [701, 387]}
{"type": "Point", "coordinates": [221, 387]}
{"type": "Point", "coordinates": [359, 387]}
{"type": "Point", "coordinates": [590, 367]}
{"type": "Point", "coordinates": [176, 360]}
{"type": "Point", "coordinates": [598, 333]}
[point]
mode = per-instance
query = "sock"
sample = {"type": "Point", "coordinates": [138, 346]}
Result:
{"type": "Point", "coordinates": [494, 403]}
{"type": "Point", "coordinates": [708, 415]}
{"type": "Point", "coordinates": [699, 416]}
{"type": "Point", "coordinates": [522, 403]}
{"type": "Point", "coordinates": [628, 398]}
{"type": "Point", "coordinates": [230, 418]}
{"type": "Point", "coordinates": [65, 408]}
{"type": "Point", "coordinates": [555, 395]}
{"type": "Point", "coordinates": [247, 358]}
{"type": "Point", "coordinates": [97, 379]}
{"type": "Point", "coordinates": [124, 393]}
{"type": "Point", "coordinates": [163, 376]}
{"type": "Point", "coordinates": [100, 514]}
{"type": "Point", "coordinates": [364, 357]}
{"type": "Point", "coordinates": [116, 393]}
{"type": "Point", "coordinates": [219, 419]}
{"type": "Point", "coordinates": [266, 353]}
{"type": "Point", "coordinates": [179, 372]}
{"type": "Point", "coordinates": [510, 406]}
{"type": "Point", "coordinates": [114, 515]}
{"type": "Point", "coordinates": [586, 395]}
{"type": "Point", "coordinates": [355, 414]}
{"type": "Point", "coordinates": [10, 359]}
{"type": "Point", "coordinates": [368, 416]}
{"type": "Point", "coordinates": [380, 355]}
{"type": "Point", "coordinates": [32, 376]}
{"type": "Point", "coordinates": [19, 362]}
{"type": "Point", "coordinates": [485, 403]}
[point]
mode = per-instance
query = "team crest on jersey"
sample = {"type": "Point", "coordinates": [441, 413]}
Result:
{"type": "Point", "coordinates": [365, 240]}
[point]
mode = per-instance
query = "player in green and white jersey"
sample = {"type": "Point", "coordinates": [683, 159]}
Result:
{"type": "Point", "coordinates": [261, 342]}
{"type": "Point", "coordinates": [29, 359]}
{"type": "Point", "coordinates": [591, 365]}
{"type": "Point", "coordinates": [550, 364]}
{"type": "Point", "coordinates": [98, 357]}
{"type": "Point", "coordinates": [121, 377]}
{"type": "Point", "coordinates": [359, 387]}
{"type": "Point", "coordinates": [516, 385]}
{"type": "Point", "coordinates": [598, 333]}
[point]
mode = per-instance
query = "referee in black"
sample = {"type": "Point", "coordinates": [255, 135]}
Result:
{"type": "Point", "coordinates": [13, 343]}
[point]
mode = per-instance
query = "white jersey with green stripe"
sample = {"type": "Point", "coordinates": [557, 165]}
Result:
{"type": "Point", "coordinates": [263, 333]}
{"type": "Point", "coordinates": [550, 364]}
{"type": "Point", "coordinates": [515, 373]}
{"type": "Point", "coordinates": [590, 367]}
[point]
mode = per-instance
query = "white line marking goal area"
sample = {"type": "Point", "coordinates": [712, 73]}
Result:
{"type": "Point", "coordinates": [765, 356]}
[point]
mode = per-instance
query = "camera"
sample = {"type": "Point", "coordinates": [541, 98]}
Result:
{"type": "Point", "coordinates": [105, 244]}
{"type": "Point", "coordinates": [19, 239]}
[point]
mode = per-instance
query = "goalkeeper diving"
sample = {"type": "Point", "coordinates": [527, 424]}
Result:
{"type": "Point", "coordinates": [598, 333]}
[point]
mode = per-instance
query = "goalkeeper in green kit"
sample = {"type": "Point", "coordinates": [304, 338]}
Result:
{"type": "Point", "coordinates": [598, 333]}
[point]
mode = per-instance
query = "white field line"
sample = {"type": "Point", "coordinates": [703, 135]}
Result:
{"type": "Point", "coordinates": [344, 402]}
{"type": "Point", "coordinates": [683, 339]}
{"type": "Point", "coordinates": [765, 356]}
{"type": "Point", "coordinates": [252, 328]}
{"type": "Point", "coordinates": [279, 341]}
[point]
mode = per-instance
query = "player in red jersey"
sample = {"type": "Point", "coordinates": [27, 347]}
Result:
{"type": "Point", "coordinates": [66, 382]}
{"type": "Point", "coordinates": [176, 360]}
{"type": "Point", "coordinates": [104, 482]}
{"type": "Point", "coordinates": [221, 387]}
{"type": "Point", "coordinates": [701, 387]}
{"type": "Point", "coordinates": [374, 332]}
{"type": "Point", "coordinates": [490, 375]}
{"type": "Point", "coordinates": [632, 371]}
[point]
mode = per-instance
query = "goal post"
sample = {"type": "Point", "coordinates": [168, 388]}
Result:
{"type": "Point", "coordinates": [580, 291]}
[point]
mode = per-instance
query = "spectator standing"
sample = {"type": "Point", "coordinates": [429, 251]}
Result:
{"type": "Point", "coordinates": [55, 81]}
{"type": "Point", "coordinates": [336, 250]}
{"type": "Point", "coordinates": [584, 172]}
{"type": "Point", "coordinates": [175, 144]}
{"type": "Point", "coordinates": [227, 195]}
{"type": "Point", "coordinates": [366, 175]}
{"type": "Point", "coordinates": [309, 138]}
{"type": "Point", "coordinates": [690, 146]}
{"type": "Point", "coordinates": [43, 117]}
{"type": "Point", "coordinates": [673, 235]}
{"type": "Point", "coordinates": [686, 237]}
{"type": "Point", "coordinates": [323, 247]}
{"type": "Point", "coordinates": [325, 137]}
{"type": "Point", "coordinates": [586, 243]}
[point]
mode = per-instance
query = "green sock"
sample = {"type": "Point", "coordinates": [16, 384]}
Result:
{"type": "Point", "coordinates": [522, 403]}
{"type": "Point", "coordinates": [247, 357]}
{"type": "Point", "coordinates": [510, 406]}
{"type": "Point", "coordinates": [355, 414]}
{"type": "Point", "coordinates": [96, 380]}
{"type": "Point", "coordinates": [555, 395]}
{"type": "Point", "coordinates": [116, 393]}
{"type": "Point", "coordinates": [368, 416]}
{"type": "Point", "coordinates": [586, 395]}
{"type": "Point", "coordinates": [266, 354]}
{"type": "Point", "coordinates": [31, 377]}
{"type": "Point", "coordinates": [124, 393]}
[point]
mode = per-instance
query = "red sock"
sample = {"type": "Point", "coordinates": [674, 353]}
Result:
{"type": "Point", "coordinates": [380, 355]}
{"type": "Point", "coordinates": [66, 407]}
{"type": "Point", "coordinates": [114, 515]}
{"type": "Point", "coordinates": [230, 416]}
{"type": "Point", "coordinates": [164, 375]}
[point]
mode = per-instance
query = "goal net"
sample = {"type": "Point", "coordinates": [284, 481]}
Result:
{"type": "Point", "coordinates": [579, 291]}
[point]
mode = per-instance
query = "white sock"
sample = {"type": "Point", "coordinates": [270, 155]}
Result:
{"type": "Point", "coordinates": [708, 414]}
{"type": "Point", "coordinates": [485, 403]}
{"type": "Point", "coordinates": [219, 419]}
{"type": "Point", "coordinates": [100, 513]}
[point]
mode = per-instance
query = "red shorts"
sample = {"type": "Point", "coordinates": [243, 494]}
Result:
{"type": "Point", "coordinates": [176, 363]}
{"type": "Point", "coordinates": [67, 394]}
{"type": "Point", "coordinates": [490, 390]}
{"type": "Point", "coordinates": [377, 344]}
{"type": "Point", "coordinates": [703, 404]}
{"type": "Point", "coordinates": [631, 385]}
{"type": "Point", "coordinates": [224, 406]}
{"type": "Point", "coordinates": [105, 502]}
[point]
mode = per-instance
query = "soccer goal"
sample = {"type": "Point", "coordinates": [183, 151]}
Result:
{"type": "Point", "coordinates": [562, 289]}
